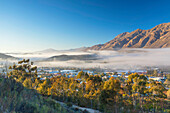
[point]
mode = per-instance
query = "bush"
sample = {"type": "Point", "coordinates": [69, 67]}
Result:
{"type": "Point", "coordinates": [85, 111]}
{"type": "Point", "coordinates": [69, 104]}
{"type": "Point", "coordinates": [25, 107]}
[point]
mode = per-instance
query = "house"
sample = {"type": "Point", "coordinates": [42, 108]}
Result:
{"type": "Point", "coordinates": [44, 78]}
{"type": "Point", "coordinates": [106, 77]}
{"type": "Point", "coordinates": [54, 72]}
{"type": "Point", "coordinates": [114, 76]}
{"type": "Point", "coordinates": [71, 76]}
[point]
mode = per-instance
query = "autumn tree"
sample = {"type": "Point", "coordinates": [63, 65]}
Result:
{"type": "Point", "coordinates": [82, 75]}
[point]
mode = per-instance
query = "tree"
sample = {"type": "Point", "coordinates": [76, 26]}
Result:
{"type": "Point", "coordinates": [155, 92]}
{"type": "Point", "coordinates": [155, 72]}
{"type": "Point", "coordinates": [27, 83]}
{"type": "Point", "coordinates": [112, 87]}
{"type": "Point", "coordinates": [43, 88]}
{"type": "Point", "coordinates": [10, 67]}
{"type": "Point", "coordinates": [82, 75]}
{"type": "Point", "coordinates": [168, 94]}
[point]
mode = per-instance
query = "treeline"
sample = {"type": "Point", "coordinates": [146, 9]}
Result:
{"type": "Point", "coordinates": [137, 94]}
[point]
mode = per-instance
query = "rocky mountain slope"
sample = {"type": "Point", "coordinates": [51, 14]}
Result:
{"type": "Point", "coordinates": [157, 37]}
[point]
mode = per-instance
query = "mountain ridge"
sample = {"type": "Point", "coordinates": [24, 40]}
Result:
{"type": "Point", "coordinates": [51, 50]}
{"type": "Point", "coordinates": [156, 37]}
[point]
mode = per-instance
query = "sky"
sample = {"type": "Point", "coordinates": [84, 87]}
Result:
{"type": "Point", "coordinates": [32, 25]}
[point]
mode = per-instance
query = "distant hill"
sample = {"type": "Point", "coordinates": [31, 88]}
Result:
{"type": "Point", "coordinates": [50, 50]}
{"type": "Point", "coordinates": [157, 37]}
{"type": "Point", "coordinates": [4, 56]}
{"type": "Point", "coordinates": [72, 57]}
{"type": "Point", "coordinates": [76, 49]}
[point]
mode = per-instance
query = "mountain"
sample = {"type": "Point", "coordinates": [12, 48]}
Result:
{"type": "Point", "coordinates": [157, 37]}
{"type": "Point", "coordinates": [77, 49]}
{"type": "Point", "coordinates": [72, 57]}
{"type": "Point", "coordinates": [50, 50]}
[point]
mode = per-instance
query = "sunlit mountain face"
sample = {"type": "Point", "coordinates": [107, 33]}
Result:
{"type": "Point", "coordinates": [157, 37]}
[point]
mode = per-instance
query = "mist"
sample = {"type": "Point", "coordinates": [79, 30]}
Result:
{"type": "Point", "coordinates": [123, 59]}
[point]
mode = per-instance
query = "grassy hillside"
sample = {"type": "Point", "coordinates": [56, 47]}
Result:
{"type": "Point", "coordinates": [14, 97]}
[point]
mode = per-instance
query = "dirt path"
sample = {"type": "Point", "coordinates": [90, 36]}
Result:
{"type": "Point", "coordinates": [81, 108]}
{"type": "Point", "coordinates": [88, 109]}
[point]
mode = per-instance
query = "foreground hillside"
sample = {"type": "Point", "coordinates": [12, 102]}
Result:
{"type": "Point", "coordinates": [157, 37]}
{"type": "Point", "coordinates": [98, 92]}
{"type": "Point", "coordinates": [14, 97]}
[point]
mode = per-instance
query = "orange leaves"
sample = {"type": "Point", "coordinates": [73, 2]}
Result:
{"type": "Point", "coordinates": [89, 85]}
{"type": "Point", "coordinates": [112, 84]}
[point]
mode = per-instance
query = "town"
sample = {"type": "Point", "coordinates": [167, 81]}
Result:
{"type": "Point", "coordinates": [49, 72]}
{"type": "Point", "coordinates": [44, 73]}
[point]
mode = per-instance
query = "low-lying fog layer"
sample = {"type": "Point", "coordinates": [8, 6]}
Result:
{"type": "Point", "coordinates": [121, 59]}
{"type": "Point", "coordinates": [43, 55]}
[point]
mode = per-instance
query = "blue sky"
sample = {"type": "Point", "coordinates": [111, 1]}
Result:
{"type": "Point", "coordinates": [31, 25]}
